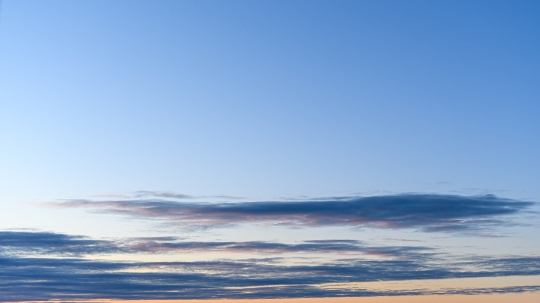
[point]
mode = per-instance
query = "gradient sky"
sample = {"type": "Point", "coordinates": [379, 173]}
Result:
{"type": "Point", "coordinates": [269, 149]}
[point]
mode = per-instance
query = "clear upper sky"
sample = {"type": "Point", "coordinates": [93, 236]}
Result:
{"type": "Point", "coordinates": [269, 98]}
{"type": "Point", "coordinates": [271, 101]}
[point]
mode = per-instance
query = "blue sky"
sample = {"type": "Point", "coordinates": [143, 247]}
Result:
{"type": "Point", "coordinates": [133, 102]}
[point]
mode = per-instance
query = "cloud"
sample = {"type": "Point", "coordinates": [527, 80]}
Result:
{"type": "Point", "coordinates": [52, 243]}
{"type": "Point", "coordinates": [21, 242]}
{"type": "Point", "coordinates": [32, 279]}
{"type": "Point", "coordinates": [161, 194]}
{"type": "Point", "coordinates": [262, 247]}
{"type": "Point", "coordinates": [427, 212]}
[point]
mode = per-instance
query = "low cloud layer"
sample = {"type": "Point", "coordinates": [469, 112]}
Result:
{"type": "Point", "coordinates": [427, 212]}
{"type": "Point", "coordinates": [45, 266]}
{"type": "Point", "coordinates": [32, 279]}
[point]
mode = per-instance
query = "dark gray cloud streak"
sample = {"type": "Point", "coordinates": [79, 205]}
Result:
{"type": "Point", "coordinates": [427, 212]}
{"type": "Point", "coordinates": [20, 242]}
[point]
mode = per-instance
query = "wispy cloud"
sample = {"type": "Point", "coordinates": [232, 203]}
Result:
{"type": "Point", "coordinates": [427, 212]}
{"type": "Point", "coordinates": [261, 247]}
{"type": "Point", "coordinates": [24, 243]}
{"type": "Point", "coordinates": [163, 194]}
{"type": "Point", "coordinates": [17, 242]}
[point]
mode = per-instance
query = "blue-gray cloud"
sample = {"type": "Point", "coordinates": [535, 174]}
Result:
{"type": "Point", "coordinates": [428, 212]}
{"type": "Point", "coordinates": [52, 243]}
{"type": "Point", "coordinates": [25, 279]}
{"type": "Point", "coordinates": [21, 242]}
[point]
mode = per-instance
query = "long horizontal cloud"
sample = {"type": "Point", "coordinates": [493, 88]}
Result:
{"type": "Point", "coordinates": [428, 212]}
{"type": "Point", "coordinates": [261, 247]}
{"type": "Point", "coordinates": [26, 279]}
{"type": "Point", "coordinates": [21, 242]}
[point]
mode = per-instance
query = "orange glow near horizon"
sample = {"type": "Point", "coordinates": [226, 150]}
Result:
{"type": "Point", "coordinates": [533, 297]}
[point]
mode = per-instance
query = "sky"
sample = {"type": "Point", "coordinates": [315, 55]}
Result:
{"type": "Point", "coordinates": [269, 151]}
